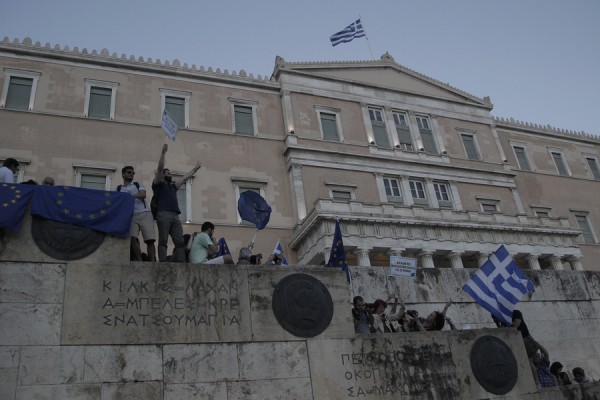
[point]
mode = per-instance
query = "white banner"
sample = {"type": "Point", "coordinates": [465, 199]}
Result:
{"type": "Point", "coordinates": [403, 267]}
{"type": "Point", "coordinates": [169, 125]}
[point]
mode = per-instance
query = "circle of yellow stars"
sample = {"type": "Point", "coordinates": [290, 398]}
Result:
{"type": "Point", "coordinates": [14, 200]}
{"type": "Point", "coordinates": [80, 215]}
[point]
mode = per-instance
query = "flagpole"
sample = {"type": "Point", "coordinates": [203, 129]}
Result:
{"type": "Point", "coordinates": [367, 37]}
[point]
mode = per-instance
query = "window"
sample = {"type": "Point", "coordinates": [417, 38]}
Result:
{"type": "Point", "coordinates": [19, 176]}
{"type": "Point", "coordinates": [100, 99]}
{"type": "Point", "coordinates": [403, 130]}
{"type": "Point", "coordinates": [244, 116]}
{"type": "Point", "coordinates": [426, 135]}
{"type": "Point", "coordinates": [241, 185]}
{"type": "Point", "coordinates": [341, 191]}
{"type": "Point", "coordinates": [470, 146]}
{"type": "Point", "coordinates": [177, 104]}
{"type": "Point", "coordinates": [541, 211]}
{"type": "Point", "coordinates": [19, 89]}
{"type": "Point", "coordinates": [442, 194]}
{"type": "Point", "coordinates": [93, 176]}
{"type": "Point", "coordinates": [559, 162]}
{"type": "Point", "coordinates": [586, 229]}
{"type": "Point", "coordinates": [489, 207]}
{"type": "Point", "coordinates": [329, 125]}
{"type": "Point", "coordinates": [342, 195]}
{"type": "Point", "coordinates": [379, 128]}
{"type": "Point", "coordinates": [593, 166]}
{"type": "Point", "coordinates": [417, 190]}
{"type": "Point", "coordinates": [392, 190]}
{"type": "Point", "coordinates": [521, 156]}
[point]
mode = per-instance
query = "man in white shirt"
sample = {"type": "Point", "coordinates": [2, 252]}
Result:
{"type": "Point", "coordinates": [8, 170]}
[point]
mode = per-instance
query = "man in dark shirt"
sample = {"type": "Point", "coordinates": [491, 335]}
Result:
{"type": "Point", "coordinates": [167, 218]}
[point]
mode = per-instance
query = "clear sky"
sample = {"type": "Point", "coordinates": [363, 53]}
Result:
{"type": "Point", "coordinates": [538, 60]}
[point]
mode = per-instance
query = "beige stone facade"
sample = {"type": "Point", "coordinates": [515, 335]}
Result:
{"type": "Point", "coordinates": [410, 166]}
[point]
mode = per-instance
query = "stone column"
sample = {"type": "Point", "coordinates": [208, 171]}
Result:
{"type": "Point", "coordinates": [483, 257]}
{"type": "Point", "coordinates": [298, 190]}
{"type": "Point", "coordinates": [556, 263]}
{"type": "Point", "coordinates": [455, 260]}
{"type": "Point", "coordinates": [362, 253]}
{"type": "Point", "coordinates": [288, 115]}
{"type": "Point", "coordinates": [575, 262]}
{"type": "Point", "coordinates": [426, 259]}
{"type": "Point", "coordinates": [532, 260]}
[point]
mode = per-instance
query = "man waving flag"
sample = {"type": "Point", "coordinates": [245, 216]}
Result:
{"type": "Point", "coordinates": [499, 285]}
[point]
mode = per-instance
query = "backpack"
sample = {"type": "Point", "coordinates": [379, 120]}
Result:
{"type": "Point", "coordinates": [137, 185]}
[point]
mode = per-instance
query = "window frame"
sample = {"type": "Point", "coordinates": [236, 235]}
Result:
{"type": "Point", "coordinates": [374, 111]}
{"type": "Point", "coordinates": [488, 202]}
{"type": "Point", "coordinates": [523, 146]}
{"type": "Point", "coordinates": [559, 152]}
{"type": "Point", "coordinates": [336, 112]}
{"type": "Point", "coordinates": [421, 201]}
{"type": "Point", "coordinates": [418, 119]}
{"type": "Point", "coordinates": [391, 198]}
{"type": "Point", "coordinates": [333, 187]}
{"type": "Point", "coordinates": [577, 214]}
{"type": "Point", "coordinates": [95, 170]}
{"type": "Point", "coordinates": [89, 83]}
{"type": "Point", "coordinates": [443, 203]}
{"type": "Point", "coordinates": [8, 74]}
{"type": "Point", "coordinates": [164, 93]}
{"type": "Point", "coordinates": [247, 183]}
{"type": "Point", "coordinates": [400, 144]}
{"type": "Point", "coordinates": [595, 170]}
{"type": "Point", "coordinates": [463, 135]}
{"type": "Point", "coordinates": [541, 211]}
{"type": "Point", "coordinates": [252, 104]}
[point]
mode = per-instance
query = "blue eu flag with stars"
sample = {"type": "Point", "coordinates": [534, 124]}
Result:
{"type": "Point", "coordinates": [104, 211]}
{"type": "Point", "coordinates": [337, 256]}
{"type": "Point", "coordinates": [253, 208]}
{"type": "Point", "coordinates": [14, 199]}
{"type": "Point", "coordinates": [222, 248]}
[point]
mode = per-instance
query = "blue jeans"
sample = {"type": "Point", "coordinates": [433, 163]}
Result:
{"type": "Point", "coordinates": [169, 224]}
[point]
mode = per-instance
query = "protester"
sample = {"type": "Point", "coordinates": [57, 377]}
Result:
{"type": "Point", "coordinates": [363, 319]}
{"type": "Point", "coordinates": [541, 361]}
{"type": "Point", "coordinates": [564, 378]}
{"type": "Point", "coordinates": [48, 181]}
{"type": "Point", "coordinates": [435, 321]}
{"type": "Point", "coordinates": [555, 370]}
{"type": "Point", "coordinates": [204, 248]}
{"type": "Point", "coordinates": [244, 257]}
{"type": "Point", "coordinates": [167, 218]}
{"type": "Point", "coordinates": [579, 376]}
{"type": "Point", "coordinates": [8, 170]}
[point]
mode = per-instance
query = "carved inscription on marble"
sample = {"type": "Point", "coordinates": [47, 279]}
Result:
{"type": "Point", "coordinates": [157, 304]}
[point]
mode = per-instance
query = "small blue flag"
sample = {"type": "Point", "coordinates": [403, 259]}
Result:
{"type": "Point", "coordinates": [354, 30]}
{"type": "Point", "coordinates": [499, 285]}
{"type": "Point", "coordinates": [222, 247]}
{"type": "Point", "coordinates": [104, 211]}
{"type": "Point", "coordinates": [14, 200]}
{"type": "Point", "coordinates": [278, 251]}
{"type": "Point", "coordinates": [253, 208]}
{"type": "Point", "coordinates": [337, 256]}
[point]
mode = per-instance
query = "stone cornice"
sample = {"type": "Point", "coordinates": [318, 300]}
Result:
{"type": "Point", "coordinates": [546, 130]}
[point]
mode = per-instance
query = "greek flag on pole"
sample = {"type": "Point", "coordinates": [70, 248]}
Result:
{"type": "Point", "coordinates": [169, 125]}
{"type": "Point", "coordinates": [354, 30]}
{"type": "Point", "coordinates": [278, 251]}
{"type": "Point", "coordinates": [499, 285]}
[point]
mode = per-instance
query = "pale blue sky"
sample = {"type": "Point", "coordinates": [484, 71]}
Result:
{"type": "Point", "coordinates": [538, 60]}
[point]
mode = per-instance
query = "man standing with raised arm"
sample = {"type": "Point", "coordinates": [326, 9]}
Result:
{"type": "Point", "coordinates": [167, 218]}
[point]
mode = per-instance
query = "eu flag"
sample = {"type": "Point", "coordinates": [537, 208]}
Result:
{"type": "Point", "coordinates": [104, 211]}
{"type": "Point", "coordinates": [222, 248]}
{"type": "Point", "coordinates": [14, 199]}
{"type": "Point", "coordinates": [253, 208]}
{"type": "Point", "coordinates": [337, 256]}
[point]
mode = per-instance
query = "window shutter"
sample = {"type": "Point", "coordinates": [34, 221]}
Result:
{"type": "Point", "coordinates": [586, 230]}
{"type": "Point", "coordinates": [329, 126]}
{"type": "Point", "coordinates": [99, 106]}
{"type": "Point", "coordinates": [594, 168]}
{"type": "Point", "coordinates": [97, 182]}
{"type": "Point", "coordinates": [19, 93]}
{"type": "Point", "coordinates": [182, 201]}
{"type": "Point", "coordinates": [244, 124]}
{"type": "Point", "coordinates": [470, 148]}
{"type": "Point", "coordinates": [522, 158]}
{"type": "Point", "coordinates": [175, 106]}
{"type": "Point", "coordinates": [428, 141]}
{"type": "Point", "coordinates": [560, 164]}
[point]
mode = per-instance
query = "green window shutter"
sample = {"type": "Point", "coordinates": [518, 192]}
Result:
{"type": "Point", "coordinates": [560, 164]}
{"type": "Point", "coordinates": [522, 158]}
{"type": "Point", "coordinates": [97, 182]}
{"type": "Point", "coordinates": [329, 126]}
{"type": "Point", "coordinates": [175, 106]}
{"type": "Point", "coordinates": [586, 230]}
{"type": "Point", "coordinates": [470, 148]}
{"type": "Point", "coordinates": [19, 93]}
{"type": "Point", "coordinates": [100, 99]}
{"type": "Point", "coordinates": [428, 141]}
{"type": "Point", "coordinates": [182, 201]}
{"type": "Point", "coordinates": [244, 122]}
{"type": "Point", "coordinates": [593, 168]}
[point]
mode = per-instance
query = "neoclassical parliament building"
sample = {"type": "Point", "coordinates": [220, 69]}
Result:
{"type": "Point", "coordinates": [409, 165]}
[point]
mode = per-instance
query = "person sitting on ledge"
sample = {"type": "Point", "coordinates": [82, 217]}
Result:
{"type": "Point", "coordinates": [579, 376]}
{"type": "Point", "coordinates": [204, 245]}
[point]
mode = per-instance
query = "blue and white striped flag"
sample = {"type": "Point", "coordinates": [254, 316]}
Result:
{"type": "Point", "coordinates": [499, 285]}
{"type": "Point", "coordinates": [278, 251]}
{"type": "Point", "coordinates": [354, 30]}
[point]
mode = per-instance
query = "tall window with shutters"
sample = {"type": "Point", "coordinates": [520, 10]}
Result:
{"type": "Point", "coordinates": [177, 104]}
{"type": "Point", "coordinates": [100, 99]}
{"type": "Point", "coordinates": [586, 229]}
{"type": "Point", "coordinates": [379, 128]}
{"type": "Point", "coordinates": [559, 162]}
{"type": "Point", "coordinates": [244, 120]}
{"type": "Point", "coordinates": [470, 146]}
{"type": "Point", "coordinates": [19, 89]}
{"type": "Point", "coordinates": [329, 126]}
{"type": "Point", "coordinates": [405, 139]}
{"type": "Point", "coordinates": [592, 163]}
{"type": "Point", "coordinates": [522, 159]}
{"type": "Point", "coordinates": [426, 133]}
{"type": "Point", "coordinates": [392, 190]}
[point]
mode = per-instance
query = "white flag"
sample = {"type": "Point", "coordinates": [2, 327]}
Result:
{"type": "Point", "coordinates": [169, 125]}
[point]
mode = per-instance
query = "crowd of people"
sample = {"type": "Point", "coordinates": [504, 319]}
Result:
{"type": "Point", "coordinates": [373, 318]}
